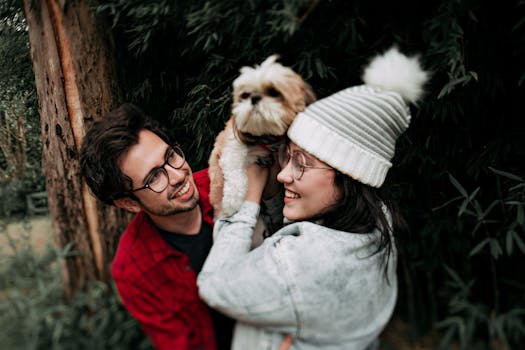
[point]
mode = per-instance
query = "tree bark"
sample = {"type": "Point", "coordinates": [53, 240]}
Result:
{"type": "Point", "coordinates": [76, 82]}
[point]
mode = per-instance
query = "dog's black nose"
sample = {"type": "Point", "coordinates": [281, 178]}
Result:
{"type": "Point", "coordinates": [255, 99]}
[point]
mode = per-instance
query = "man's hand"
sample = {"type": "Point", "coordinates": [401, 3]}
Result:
{"type": "Point", "coordinates": [286, 344]}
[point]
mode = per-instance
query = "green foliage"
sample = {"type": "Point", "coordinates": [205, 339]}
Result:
{"type": "Point", "coordinates": [35, 315]}
{"type": "Point", "coordinates": [13, 193]}
{"type": "Point", "coordinates": [20, 141]}
{"type": "Point", "coordinates": [460, 264]}
{"type": "Point", "coordinates": [189, 59]}
{"type": "Point", "coordinates": [493, 231]}
{"type": "Point", "coordinates": [458, 172]}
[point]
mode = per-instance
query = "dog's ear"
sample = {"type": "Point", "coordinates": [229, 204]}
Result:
{"type": "Point", "coordinates": [309, 95]}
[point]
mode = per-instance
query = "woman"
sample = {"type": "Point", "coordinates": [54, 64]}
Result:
{"type": "Point", "coordinates": [327, 278]}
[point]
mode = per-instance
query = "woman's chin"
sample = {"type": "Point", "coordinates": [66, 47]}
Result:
{"type": "Point", "coordinates": [292, 215]}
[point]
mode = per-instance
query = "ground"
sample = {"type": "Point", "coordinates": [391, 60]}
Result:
{"type": "Point", "coordinates": [37, 228]}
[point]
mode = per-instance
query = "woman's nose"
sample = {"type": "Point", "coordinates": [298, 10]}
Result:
{"type": "Point", "coordinates": [285, 175]}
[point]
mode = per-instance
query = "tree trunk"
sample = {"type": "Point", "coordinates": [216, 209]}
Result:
{"type": "Point", "coordinates": [76, 82]}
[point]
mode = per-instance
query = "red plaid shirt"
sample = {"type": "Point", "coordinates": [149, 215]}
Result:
{"type": "Point", "coordinates": [158, 285]}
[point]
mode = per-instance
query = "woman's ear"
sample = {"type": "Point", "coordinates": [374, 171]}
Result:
{"type": "Point", "coordinates": [128, 204]}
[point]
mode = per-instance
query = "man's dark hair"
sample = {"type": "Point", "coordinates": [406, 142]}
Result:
{"type": "Point", "coordinates": [105, 142]}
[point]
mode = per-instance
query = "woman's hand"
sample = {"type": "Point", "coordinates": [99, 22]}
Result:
{"type": "Point", "coordinates": [257, 177]}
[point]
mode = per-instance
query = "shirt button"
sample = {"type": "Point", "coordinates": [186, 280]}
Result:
{"type": "Point", "coordinates": [187, 267]}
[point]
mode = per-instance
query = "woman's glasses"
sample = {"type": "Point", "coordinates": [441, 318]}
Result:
{"type": "Point", "coordinates": [298, 161]}
{"type": "Point", "coordinates": [158, 178]}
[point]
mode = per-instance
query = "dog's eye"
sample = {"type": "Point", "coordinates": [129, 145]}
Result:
{"type": "Point", "coordinates": [245, 95]}
{"type": "Point", "coordinates": [273, 92]}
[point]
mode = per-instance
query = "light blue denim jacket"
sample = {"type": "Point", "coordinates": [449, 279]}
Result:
{"type": "Point", "coordinates": [323, 287]}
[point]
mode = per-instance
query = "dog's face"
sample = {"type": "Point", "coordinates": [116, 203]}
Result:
{"type": "Point", "coordinates": [267, 98]}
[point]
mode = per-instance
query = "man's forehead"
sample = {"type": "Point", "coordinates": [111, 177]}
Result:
{"type": "Point", "coordinates": [143, 156]}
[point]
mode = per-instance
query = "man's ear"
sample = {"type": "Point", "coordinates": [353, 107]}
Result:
{"type": "Point", "coordinates": [128, 204]}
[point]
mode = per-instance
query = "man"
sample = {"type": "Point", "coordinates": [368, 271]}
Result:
{"type": "Point", "coordinates": [128, 162]}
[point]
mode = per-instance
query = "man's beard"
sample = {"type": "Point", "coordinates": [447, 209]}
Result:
{"type": "Point", "coordinates": [169, 210]}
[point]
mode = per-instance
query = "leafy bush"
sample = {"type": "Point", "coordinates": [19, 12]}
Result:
{"type": "Point", "coordinates": [491, 232]}
{"type": "Point", "coordinates": [458, 172]}
{"type": "Point", "coordinates": [20, 142]}
{"type": "Point", "coordinates": [13, 193]}
{"type": "Point", "coordinates": [35, 315]}
{"type": "Point", "coordinates": [460, 265]}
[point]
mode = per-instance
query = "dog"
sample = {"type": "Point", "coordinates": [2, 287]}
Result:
{"type": "Point", "coordinates": [266, 99]}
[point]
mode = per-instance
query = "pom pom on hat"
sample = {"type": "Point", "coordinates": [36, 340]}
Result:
{"type": "Point", "coordinates": [396, 72]}
{"type": "Point", "coordinates": [355, 130]}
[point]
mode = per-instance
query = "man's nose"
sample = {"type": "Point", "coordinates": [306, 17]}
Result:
{"type": "Point", "coordinates": [175, 175]}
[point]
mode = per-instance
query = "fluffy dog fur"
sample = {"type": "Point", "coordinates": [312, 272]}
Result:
{"type": "Point", "coordinates": [266, 99]}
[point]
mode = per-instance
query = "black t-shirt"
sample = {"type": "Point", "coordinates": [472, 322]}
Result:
{"type": "Point", "coordinates": [197, 247]}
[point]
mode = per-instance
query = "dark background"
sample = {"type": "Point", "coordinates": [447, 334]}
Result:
{"type": "Point", "coordinates": [458, 174]}
{"type": "Point", "coordinates": [458, 171]}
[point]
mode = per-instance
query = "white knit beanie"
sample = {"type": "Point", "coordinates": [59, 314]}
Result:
{"type": "Point", "coordinates": [355, 130]}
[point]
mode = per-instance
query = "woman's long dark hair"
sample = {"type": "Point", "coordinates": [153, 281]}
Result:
{"type": "Point", "coordinates": [360, 210]}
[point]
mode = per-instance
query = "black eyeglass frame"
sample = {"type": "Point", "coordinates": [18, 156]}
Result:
{"type": "Point", "coordinates": [177, 150]}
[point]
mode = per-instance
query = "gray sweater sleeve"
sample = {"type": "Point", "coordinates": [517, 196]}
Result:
{"type": "Point", "coordinates": [247, 285]}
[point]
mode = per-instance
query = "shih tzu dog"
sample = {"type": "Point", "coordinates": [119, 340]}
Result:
{"type": "Point", "coordinates": [266, 99]}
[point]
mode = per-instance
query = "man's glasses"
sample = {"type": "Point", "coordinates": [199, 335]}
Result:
{"type": "Point", "coordinates": [158, 178]}
{"type": "Point", "coordinates": [298, 161]}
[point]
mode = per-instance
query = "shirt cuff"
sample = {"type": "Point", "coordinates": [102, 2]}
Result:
{"type": "Point", "coordinates": [248, 210]}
